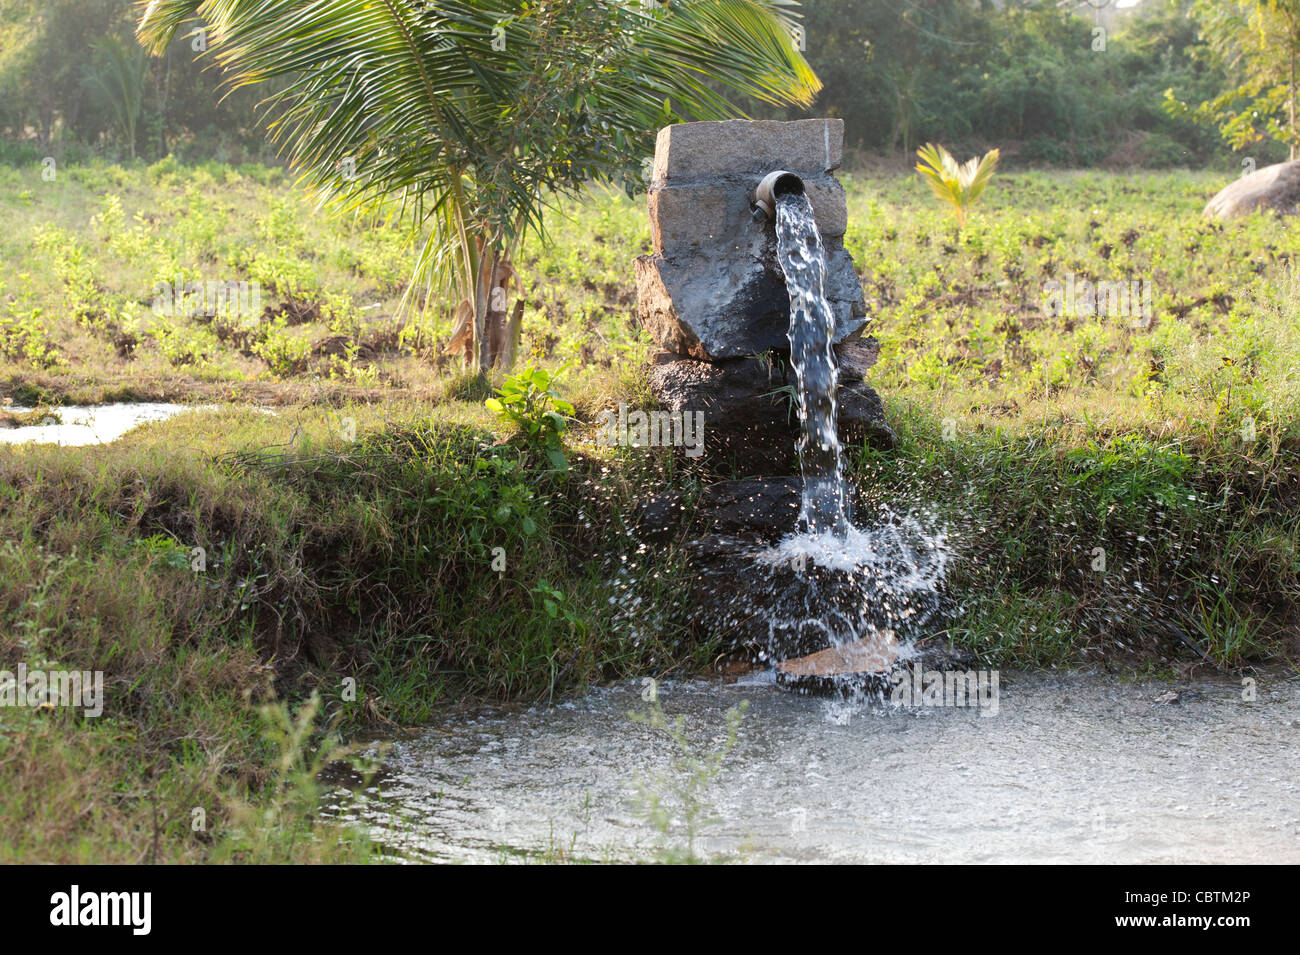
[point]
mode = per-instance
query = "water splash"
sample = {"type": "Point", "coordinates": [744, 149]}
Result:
{"type": "Point", "coordinates": [852, 588]}
{"type": "Point", "coordinates": [822, 589]}
{"type": "Point", "coordinates": [812, 329]}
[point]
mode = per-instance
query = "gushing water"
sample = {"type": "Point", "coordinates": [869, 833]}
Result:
{"type": "Point", "coordinates": [812, 329]}
{"type": "Point", "coordinates": [862, 584]}
{"type": "Point", "coordinates": [869, 590]}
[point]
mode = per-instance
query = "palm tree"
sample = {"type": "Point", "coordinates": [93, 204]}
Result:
{"type": "Point", "coordinates": [466, 117]}
{"type": "Point", "coordinates": [117, 75]}
{"type": "Point", "coordinates": [959, 185]}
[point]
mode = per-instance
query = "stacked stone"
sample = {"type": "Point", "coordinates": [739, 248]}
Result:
{"type": "Point", "coordinates": [714, 299]}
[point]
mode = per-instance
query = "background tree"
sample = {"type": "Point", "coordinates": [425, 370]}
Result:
{"type": "Point", "coordinates": [117, 76]}
{"type": "Point", "coordinates": [1256, 42]}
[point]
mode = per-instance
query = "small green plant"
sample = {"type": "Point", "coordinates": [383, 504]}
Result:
{"type": "Point", "coordinates": [182, 344]}
{"type": "Point", "coordinates": [556, 604]}
{"type": "Point", "coordinates": [271, 824]}
{"type": "Point", "coordinates": [25, 337]}
{"type": "Point", "coordinates": [528, 400]}
{"type": "Point", "coordinates": [683, 796]}
{"type": "Point", "coordinates": [166, 550]}
{"type": "Point", "coordinates": [284, 352]}
{"type": "Point", "coordinates": [958, 185]}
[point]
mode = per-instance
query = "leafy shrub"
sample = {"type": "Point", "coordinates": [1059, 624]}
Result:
{"type": "Point", "coordinates": [284, 352]}
{"type": "Point", "coordinates": [529, 401]}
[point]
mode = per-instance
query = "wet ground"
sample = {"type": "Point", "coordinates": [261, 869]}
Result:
{"type": "Point", "coordinates": [76, 425]}
{"type": "Point", "coordinates": [1072, 767]}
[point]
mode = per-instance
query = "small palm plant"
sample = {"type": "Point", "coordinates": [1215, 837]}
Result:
{"type": "Point", "coordinates": [959, 185]}
{"type": "Point", "coordinates": [117, 75]}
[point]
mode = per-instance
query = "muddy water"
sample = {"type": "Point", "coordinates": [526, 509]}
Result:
{"type": "Point", "coordinates": [76, 425]}
{"type": "Point", "coordinates": [1072, 768]}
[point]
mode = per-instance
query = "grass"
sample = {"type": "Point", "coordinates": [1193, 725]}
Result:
{"type": "Point", "coordinates": [1117, 491]}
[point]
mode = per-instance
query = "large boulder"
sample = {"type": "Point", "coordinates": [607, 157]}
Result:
{"type": "Point", "coordinates": [1273, 187]}
{"type": "Point", "coordinates": [713, 289]}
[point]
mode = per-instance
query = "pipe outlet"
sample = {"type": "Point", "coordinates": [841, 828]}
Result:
{"type": "Point", "coordinates": [774, 184]}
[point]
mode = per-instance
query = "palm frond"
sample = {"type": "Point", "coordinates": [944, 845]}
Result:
{"type": "Point", "coordinates": [959, 185]}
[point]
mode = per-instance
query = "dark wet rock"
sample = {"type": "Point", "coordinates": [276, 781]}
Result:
{"type": "Point", "coordinates": [757, 603]}
{"type": "Point", "coordinates": [772, 603]}
{"type": "Point", "coordinates": [862, 417]}
{"type": "Point", "coordinates": [714, 307]}
{"type": "Point", "coordinates": [1274, 187]}
{"type": "Point", "coordinates": [659, 517]}
{"type": "Point", "coordinates": [854, 358]}
{"type": "Point", "coordinates": [773, 608]}
{"type": "Point", "coordinates": [761, 510]}
{"type": "Point", "coordinates": [735, 598]}
{"type": "Point", "coordinates": [749, 419]}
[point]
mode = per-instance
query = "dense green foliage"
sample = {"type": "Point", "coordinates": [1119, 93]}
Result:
{"type": "Point", "coordinates": [1023, 76]}
{"type": "Point", "coordinates": [1256, 43]}
{"type": "Point", "coordinates": [61, 89]}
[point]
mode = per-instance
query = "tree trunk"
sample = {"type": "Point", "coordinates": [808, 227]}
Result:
{"type": "Point", "coordinates": [163, 93]}
{"type": "Point", "coordinates": [47, 126]}
{"type": "Point", "coordinates": [484, 333]}
{"type": "Point", "coordinates": [513, 330]}
{"type": "Point", "coordinates": [482, 345]}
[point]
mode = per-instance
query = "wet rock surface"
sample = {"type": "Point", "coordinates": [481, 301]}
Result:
{"type": "Point", "coordinates": [760, 510]}
{"type": "Point", "coordinates": [748, 416]}
{"type": "Point", "coordinates": [776, 605]}
{"type": "Point", "coordinates": [862, 417]}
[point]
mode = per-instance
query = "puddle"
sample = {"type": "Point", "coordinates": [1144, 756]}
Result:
{"type": "Point", "coordinates": [77, 425]}
{"type": "Point", "coordinates": [1072, 768]}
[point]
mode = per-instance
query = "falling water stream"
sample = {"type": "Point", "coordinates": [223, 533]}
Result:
{"type": "Point", "coordinates": [856, 587]}
{"type": "Point", "coordinates": [812, 330]}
